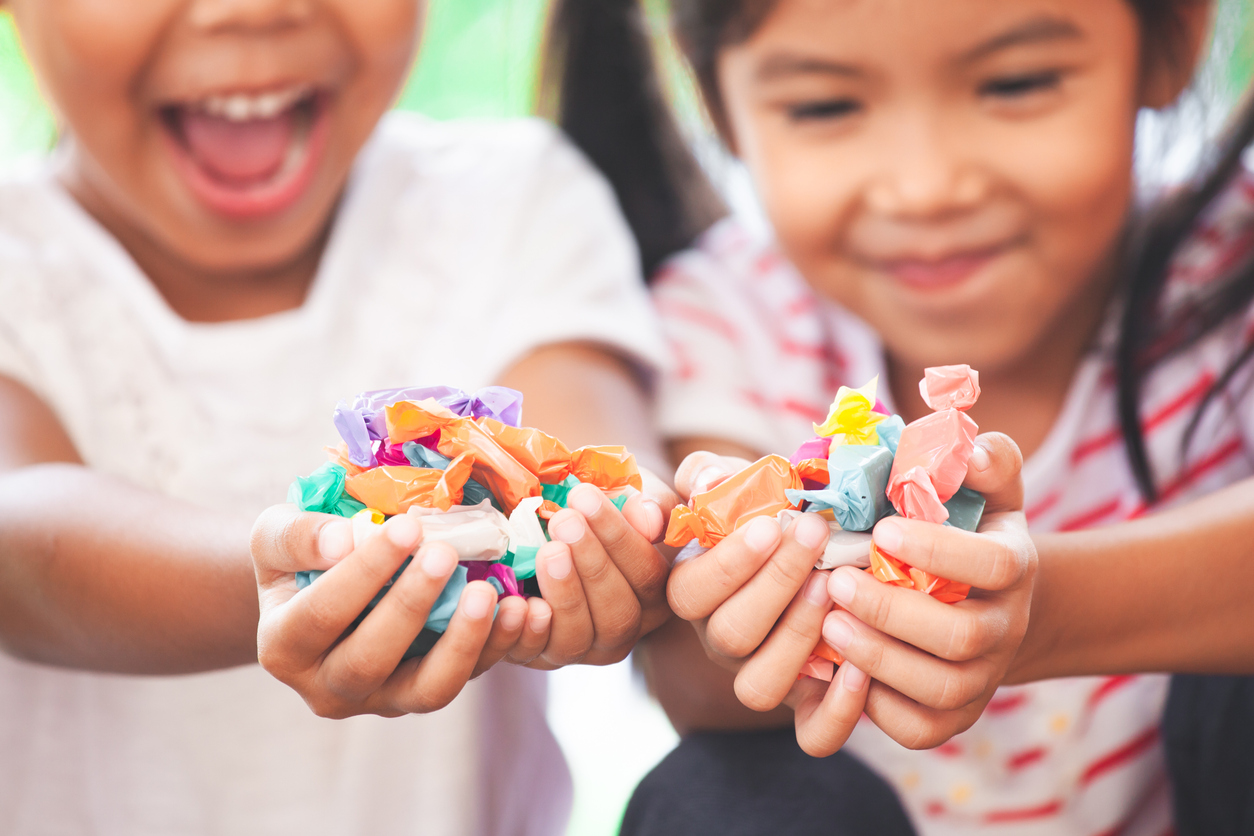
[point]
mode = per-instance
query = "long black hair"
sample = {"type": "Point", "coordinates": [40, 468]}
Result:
{"type": "Point", "coordinates": [600, 78]}
{"type": "Point", "coordinates": [1149, 333]}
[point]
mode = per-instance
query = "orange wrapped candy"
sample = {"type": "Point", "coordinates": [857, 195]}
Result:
{"type": "Point", "coordinates": [412, 420]}
{"type": "Point", "coordinates": [610, 468]}
{"type": "Point", "coordinates": [815, 470]}
{"type": "Point", "coordinates": [394, 489]}
{"type": "Point", "coordinates": [547, 458]}
{"type": "Point", "coordinates": [756, 491]}
{"type": "Point", "coordinates": [894, 572]}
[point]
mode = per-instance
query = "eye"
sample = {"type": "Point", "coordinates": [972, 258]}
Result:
{"type": "Point", "coordinates": [822, 110]}
{"type": "Point", "coordinates": [1018, 86]}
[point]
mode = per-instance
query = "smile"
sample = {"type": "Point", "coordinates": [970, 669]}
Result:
{"type": "Point", "coordinates": [247, 155]}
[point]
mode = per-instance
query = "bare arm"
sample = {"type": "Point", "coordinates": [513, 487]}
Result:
{"type": "Point", "coordinates": [1169, 592]}
{"type": "Point", "coordinates": [98, 574]}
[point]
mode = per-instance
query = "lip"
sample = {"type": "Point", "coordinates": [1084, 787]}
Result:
{"type": "Point", "coordinates": [254, 201]}
{"type": "Point", "coordinates": [939, 274]}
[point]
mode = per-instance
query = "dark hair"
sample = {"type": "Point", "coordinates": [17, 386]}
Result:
{"type": "Point", "coordinates": [1150, 334]}
{"type": "Point", "coordinates": [599, 78]}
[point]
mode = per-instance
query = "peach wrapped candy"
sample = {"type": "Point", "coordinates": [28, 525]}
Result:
{"type": "Point", "coordinates": [756, 491]}
{"type": "Point", "coordinates": [394, 489]}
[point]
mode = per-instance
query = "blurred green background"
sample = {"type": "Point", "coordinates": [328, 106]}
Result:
{"type": "Point", "coordinates": [479, 58]}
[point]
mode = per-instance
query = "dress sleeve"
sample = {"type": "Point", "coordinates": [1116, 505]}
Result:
{"type": "Point", "coordinates": [710, 391]}
{"type": "Point", "coordinates": [574, 271]}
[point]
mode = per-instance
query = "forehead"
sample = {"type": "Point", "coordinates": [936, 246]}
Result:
{"type": "Point", "coordinates": [917, 31]}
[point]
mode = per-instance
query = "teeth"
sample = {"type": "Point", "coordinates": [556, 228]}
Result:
{"type": "Point", "coordinates": [242, 107]}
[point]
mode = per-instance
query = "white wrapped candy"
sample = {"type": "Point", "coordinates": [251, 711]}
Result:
{"type": "Point", "coordinates": [476, 532]}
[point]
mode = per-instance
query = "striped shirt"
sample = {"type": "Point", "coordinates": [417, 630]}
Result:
{"type": "Point", "coordinates": [760, 356]}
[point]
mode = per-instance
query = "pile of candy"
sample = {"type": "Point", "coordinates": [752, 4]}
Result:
{"type": "Point", "coordinates": [863, 465]}
{"type": "Point", "coordinates": [479, 480]}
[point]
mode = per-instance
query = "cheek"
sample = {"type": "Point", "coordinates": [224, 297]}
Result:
{"type": "Point", "coordinates": [384, 34]}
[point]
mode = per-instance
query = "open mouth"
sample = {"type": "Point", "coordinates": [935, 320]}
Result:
{"type": "Point", "coordinates": [248, 154]}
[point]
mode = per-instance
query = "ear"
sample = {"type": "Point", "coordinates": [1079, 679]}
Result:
{"type": "Point", "coordinates": [1169, 64]}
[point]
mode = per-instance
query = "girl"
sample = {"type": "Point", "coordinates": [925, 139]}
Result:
{"type": "Point", "coordinates": [951, 183]}
{"type": "Point", "coordinates": [226, 242]}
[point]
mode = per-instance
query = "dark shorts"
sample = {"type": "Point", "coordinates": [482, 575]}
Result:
{"type": "Point", "coordinates": [758, 783]}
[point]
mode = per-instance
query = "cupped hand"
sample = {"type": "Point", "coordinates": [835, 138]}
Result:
{"type": "Point", "coordinates": [935, 666]}
{"type": "Point", "coordinates": [304, 638]}
{"type": "Point", "coordinates": [602, 576]}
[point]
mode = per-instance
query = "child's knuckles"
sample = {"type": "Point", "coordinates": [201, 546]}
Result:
{"type": "Point", "coordinates": [958, 690]}
{"type": "Point", "coordinates": [687, 599]}
{"type": "Point", "coordinates": [875, 605]}
{"type": "Point", "coordinates": [323, 617]}
{"type": "Point", "coordinates": [968, 637]}
{"type": "Point", "coordinates": [358, 671]}
{"type": "Point", "coordinates": [751, 693]}
{"type": "Point", "coordinates": [724, 636]}
{"type": "Point", "coordinates": [788, 569]}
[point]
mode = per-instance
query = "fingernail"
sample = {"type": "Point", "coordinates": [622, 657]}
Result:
{"type": "Point", "coordinates": [569, 529]}
{"type": "Point", "coordinates": [511, 618]}
{"type": "Point", "coordinates": [437, 562]}
{"type": "Point", "coordinates": [854, 678]}
{"type": "Point", "coordinates": [653, 513]}
{"type": "Point", "coordinates": [404, 531]}
{"type": "Point", "coordinates": [837, 632]}
{"type": "Point", "coordinates": [810, 531]}
{"type": "Point", "coordinates": [707, 477]}
{"type": "Point", "coordinates": [539, 622]}
{"type": "Point", "coordinates": [841, 586]}
{"type": "Point", "coordinates": [335, 540]}
{"type": "Point", "coordinates": [980, 459]}
{"type": "Point", "coordinates": [816, 590]}
{"type": "Point", "coordinates": [557, 565]}
{"type": "Point", "coordinates": [888, 536]}
{"type": "Point", "coordinates": [762, 534]}
{"type": "Point", "coordinates": [585, 499]}
{"type": "Point", "coordinates": [478, 602]}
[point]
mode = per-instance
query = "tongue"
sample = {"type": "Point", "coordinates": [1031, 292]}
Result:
{"type": "Point", "coordinates": [246, 151]}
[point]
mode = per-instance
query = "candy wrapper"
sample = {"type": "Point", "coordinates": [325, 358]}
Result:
{"type": "Point", "coordinates": [466, 468]}
{"type": "Point", "coordinates": [862, 465]}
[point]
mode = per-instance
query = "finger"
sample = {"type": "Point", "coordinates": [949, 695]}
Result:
{"type": "Point", "coordinates": [826, 713]}
{"type": "Point", "coordinates": [957, 632]}
{"type": "Point", "coordinates": [700, 471]}
{"type": "Point", "coordinates": [699, 585]}
{"type": "Point", "coordinates": [630, 552]}
{"type": "Point", "coordinates": [999, 556]}
{"type": "Point", "coordinates": [286, 540]}
{"type": "Point", "coordinates": [738, 626]}
{"type": "Point", "coordinates": [535, 633]}
{"type": "Point", "coordinates": [571, 631]}
{"type": "Point", "coordinates": [655, 493]}
{"type": "Point", "coordinates": [321, 613]}
{"type": "Point", "coordinates": [363, 661]}
{"type": "Point", "coordinates": [939, 684]}
{"type": "Point", "coordinates": [612, 604]}
{"type": "Point", "coordinates": [912, 725]}
{"type": "Point", "coordinates": [507, 628]}
{"type": "Point", "coordinates": [444, 671]}
{"type": "Point", "coordinates": [767, 677]}
{"type": "Point", "coordinates": [995, 470]}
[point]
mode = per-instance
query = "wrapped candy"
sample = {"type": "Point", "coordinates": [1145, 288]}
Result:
{"type": "Point", "coordinates": [458, 463]}
{"type": "Point", "coordinates": [758, 490]}
{"type": "Point", "coordinates": [858, 476]}
{"type": "Point", "coordinates": [844, 548]}
{"type": "Point", "coordinates": [852, 418]}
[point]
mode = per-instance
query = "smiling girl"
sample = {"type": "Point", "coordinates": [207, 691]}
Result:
{"type": "Point", "coordinates": [226, 242]}
{"type": "Point", "coordinates": [946, 183]}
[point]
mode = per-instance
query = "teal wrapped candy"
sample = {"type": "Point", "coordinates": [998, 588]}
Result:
{"type": "Point", "coordinates": [523, 562]}
{"type": "Point", "coordinates": [557, 493]}
{"type": "Point", "coordinates": [966, 508]}
{"type": "Point", "coordinates": [323, 492]}
{"type": "Point", "coordinates": [856, 495]}
{"type": "Point", "coordinates": [420, 456]}
{"type": "Point", "coordinates": [889, 431]}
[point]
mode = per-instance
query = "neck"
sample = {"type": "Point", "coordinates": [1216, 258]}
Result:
{"type": "Point", "coordinates": [195, 292]}
{"type": "Point", "coordinates": [1024, 397]}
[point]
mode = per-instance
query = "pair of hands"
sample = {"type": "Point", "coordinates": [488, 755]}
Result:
{"type": "Point", "coordinates": [921, 670]}
{"type": "Point", "coordinates": [603, 582]}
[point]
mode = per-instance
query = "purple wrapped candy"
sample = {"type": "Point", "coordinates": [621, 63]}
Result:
{"type": "Point", "coordinates": [478, 570]}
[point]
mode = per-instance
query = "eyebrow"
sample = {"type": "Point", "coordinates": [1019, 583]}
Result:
{"type": "Point", "coordinates": [1038, 30]}
{"type": "Point", "coordinates": [784, 65]}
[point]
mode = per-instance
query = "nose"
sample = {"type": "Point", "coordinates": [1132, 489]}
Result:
{"type": "Point", "coordinates": [924, 173]}
{"type": "Point", "coordinates": [252, 15]}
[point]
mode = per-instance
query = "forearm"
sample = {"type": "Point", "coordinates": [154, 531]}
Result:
{"type": "Point", "coordinates": [1166, 593]}
{"type": "Point", "coordinates": [98, 574]}
{"type": "Point", "coordinates": [695, 693]}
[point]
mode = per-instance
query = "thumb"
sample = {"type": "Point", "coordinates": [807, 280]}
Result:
{"type": "Point", "coordinates": [995, 470]}
{"type": "Point", "coordinates": [286, 540]}
{"type": "Point", "coordinates": [702, 470]}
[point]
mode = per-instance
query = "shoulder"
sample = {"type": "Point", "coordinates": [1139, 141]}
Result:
{"type": "Point", "coordinates": [473, 157]}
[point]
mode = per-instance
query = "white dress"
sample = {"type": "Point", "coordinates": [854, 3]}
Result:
{"type": "Point", "coordinates": [459, 248]}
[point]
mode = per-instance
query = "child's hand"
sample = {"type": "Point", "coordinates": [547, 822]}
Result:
{"type": "Point", "coordinates": [937, 665]}
{"type": "Point", "coordinates": [301, 637]}
{"type": "Point", "coordinates": [616, 592]}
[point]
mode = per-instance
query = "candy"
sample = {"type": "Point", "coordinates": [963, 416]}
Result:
{"type": "Point", "coordinates": [457, 463]}
{"type": "Point", "coordinates": [858, 475]}
{"type": "Point", "coordinates": [758, 490]}
{"type": "Point", "coordinates": [852, 419]}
